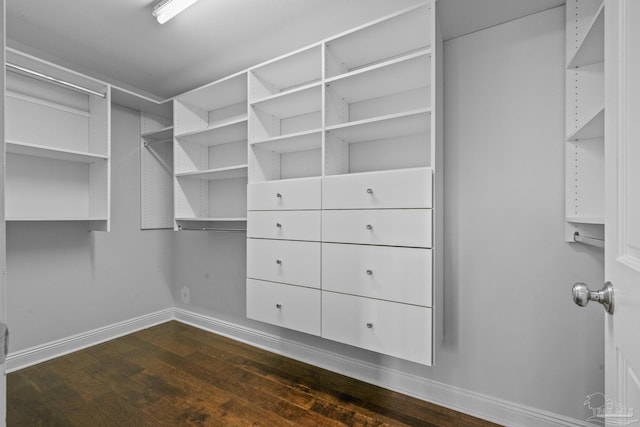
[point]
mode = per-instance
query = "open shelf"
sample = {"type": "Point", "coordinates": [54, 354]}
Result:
{"type": "Point", "coordinates": [211, 219]}
{"type": "Point", "coordinates": [230, 172]}
{"type": "Point", "coordinates": [378, 41]}
{"type": "Point", "coordinates": [286, 73]}
{"type": "Point", "coordinates": [43, 151]}
{"type": "Point", "coordinates": [301, 141]}
{"type": "Point", "coordinates": [53, 219]}
{"type": "Point", "coordinates": [222, 133]}
{"type": "Point", "coordinates": [158, 136]}
{"type": "Point", "coordinates": [393, 125]}
{"type": "Point", "coordinates": [591, 48]}
{"type": "Point", "coordinates": [302, 100]}
{"type": "Point", "coordinates": [593, 128]}
{"type": "Point", "coordinates": [597, 220]}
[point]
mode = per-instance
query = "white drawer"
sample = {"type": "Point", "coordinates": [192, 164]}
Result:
{"type": "Point", "coordinates": [394, 227]}
{"type": "Point", "coordinates": [409, 188]}
{"type": "Point", "coordinates": [284, 261]}
{"type": "Point", "coordinates": [382, 272]}
{"type": "Point", "coordinates": [291, 194]}
{"type": "Point", "coordinates": [399, 330]}
{"type": "Point", "coordinates": [292, 307]}
{"type": "Point", "coordinates": [288, 225]}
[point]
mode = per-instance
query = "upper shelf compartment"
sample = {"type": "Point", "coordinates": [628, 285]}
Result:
{"type": "Point", "coordinates": [286, 73]}
{"type": "Point", "coordinates": [211, 106]}
{"type": "Point", "coordinates": [590, 48]}
{"type": "Point", "coordinates": [379, 41]}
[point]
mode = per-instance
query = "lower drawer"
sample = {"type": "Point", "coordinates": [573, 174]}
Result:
{"type": "Point", "coordinates": [284, 261]}
{"type": "Point", "coordinates": [395, 329]}
{"type": "Point", "coordinates": [382, 272]}
{"type": "Point", "coordinates": [292, 307]}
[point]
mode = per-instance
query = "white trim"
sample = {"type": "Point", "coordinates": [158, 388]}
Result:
{"type": "Point", "coordinates": [465, 401]}
{"type": "Point", "coordinates": [482, 406]}
{"type": "Point", "coordinates": [41, 353]}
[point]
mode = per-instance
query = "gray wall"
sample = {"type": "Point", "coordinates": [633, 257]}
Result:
{"type": "Point", "coordinates": [511, 330]}
{"type": "Point", "coordinates": [63, 280]}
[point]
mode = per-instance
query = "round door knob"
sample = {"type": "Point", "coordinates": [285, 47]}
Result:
{"type": "Point", "coordinates": [279, 196]}
{"type": "Point", "coordinates": [369, 325]}
{"type": "Point", "coordinates": [369, 227]}
{"type": "Point", "coordinates": [278, 306]}
{"type": "Point", "coordinates": [369, 190]}
{"type": "Point", "coordinates": [279, 261]}
{"type": "Point", "coordinates": [369, 272]}
{"type": "Point", "coordinates": [582, 295]}
{"type": "Point", "coordinates": [278, 225]}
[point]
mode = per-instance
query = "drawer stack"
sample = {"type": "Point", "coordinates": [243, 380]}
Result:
{"type": "Point", "coordinates": [283, 253]}
{"type": "Point", "coordinates": [377, 261]}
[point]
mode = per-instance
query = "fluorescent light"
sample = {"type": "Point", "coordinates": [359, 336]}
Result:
{"type": "Point", "coordinates": [170, 8]}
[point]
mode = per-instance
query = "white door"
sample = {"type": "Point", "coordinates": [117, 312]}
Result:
{"type": "Point", "coordinates": [3, 300]}
{"type": "Point", "coordinates": [622, 213]}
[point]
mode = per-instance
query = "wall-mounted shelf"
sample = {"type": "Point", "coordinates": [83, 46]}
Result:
{"type": "Point", "coordinates": [590, 49]}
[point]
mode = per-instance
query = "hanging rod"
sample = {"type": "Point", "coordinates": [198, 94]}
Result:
{"type": "Point", "coordinates": [218, 230]}
{"type": "Point", "coordinates": [55, 80]}
{"type": "Point", "coordinates": [588, 240]}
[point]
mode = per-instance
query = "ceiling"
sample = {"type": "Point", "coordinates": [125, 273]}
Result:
{"type": "Point", "coordinates": [120, 42]}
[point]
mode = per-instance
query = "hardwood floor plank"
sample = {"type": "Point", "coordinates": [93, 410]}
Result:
{"type": "Point", "coordinates": [177, 375]}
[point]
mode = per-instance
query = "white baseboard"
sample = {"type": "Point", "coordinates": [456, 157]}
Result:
{"type": "Point", "coordinates": [486, 407]}
{"type": "Point", "coordinates": [465, 401]}
{"type": "Point", "coordinates": [31, 356]}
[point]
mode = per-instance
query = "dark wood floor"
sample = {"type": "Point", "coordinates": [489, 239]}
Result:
{"type": "Point", "coordinates": [176, 375]}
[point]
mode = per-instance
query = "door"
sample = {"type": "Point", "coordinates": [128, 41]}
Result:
{"type": "Point", "coordinates": [3, 301]}
{"type": "Point", "coordinates": [622, 212]}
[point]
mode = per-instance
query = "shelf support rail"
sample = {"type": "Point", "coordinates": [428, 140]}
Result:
{"type": "Point", "coordinates": [55, 80]}
{"type": "Point", "coordinates": [217, 230]}
{"type": "Point", "coordinates": [588, 240]}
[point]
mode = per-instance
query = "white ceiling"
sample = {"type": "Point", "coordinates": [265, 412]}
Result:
{"type": "Point", "coordinates": [120, 42]}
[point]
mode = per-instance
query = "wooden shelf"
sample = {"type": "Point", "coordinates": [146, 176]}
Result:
{"type": "Point", "coordinates": [230, 172]}
{"type": "Point", "coordinates": [42, 151]}
{"type": "Point", "coordinates": [221, 133]}
{"type": "Point", "coordinates": [591, 48]}
{"type": "Point", "coordinates": [393, 125]}
{"type": "Point", "coordinates": [301, 141]}
{"type": "Point", "coordinates": [593, 128]}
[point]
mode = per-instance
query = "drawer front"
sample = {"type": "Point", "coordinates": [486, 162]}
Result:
{"type": "Point", "coordinates": [284, 195]}
{"type": "Point", "coordinates": [382, 272]}
{"type": "Point", "coordinates": [284, 261]}
{"type": "Point", "coordinates": [394, 227]}
{"type": "Point", "coordinates": [391, 328]}
{"type": "Point", "coordinates": [410, 188]}
{"type": "Point", "coordinates": [288, 225]}
{"type": "Point", "coordinates": [292, 307]}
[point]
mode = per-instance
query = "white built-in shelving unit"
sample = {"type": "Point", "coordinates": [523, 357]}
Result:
{"type": "Point", "coordinates": [345, 187]}
{"type": "Point", "coordinates": [210, 154]}
{"type": "Point", "coordinates": [585, 119]}
{"type": "Point", "coordinates": [58, 144]}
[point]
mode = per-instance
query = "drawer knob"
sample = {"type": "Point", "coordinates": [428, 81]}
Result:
{"type": "Point", "coordinates": [278, 306]}
{"type": "Point", "coordinates": [369, 190]}
{"type": "Point", "coordinates": [369, 272]}
{"type": "Point", "coordinates": [278, 225]}
{"type": "Point", "coordinates": [279, 196]}
{"type": "Point", "coordinates": [369, 325]}
{"type": "Point", "coordinates": [369, 227]}
{"type": "Point", "coordinates": [279, 261]}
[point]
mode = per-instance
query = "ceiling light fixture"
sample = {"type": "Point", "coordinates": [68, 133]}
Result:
{"type": "Point", "coordinates": [167, 9]}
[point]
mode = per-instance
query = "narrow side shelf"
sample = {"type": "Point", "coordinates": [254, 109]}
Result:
{"type": "Point", "coordinates": [593, 128]}
{"type": "Point", "coordinates": [591, 48]}
{"type": "Point", "coordinates": [159, 136]}
{"type": "Point", "coordinates": [35, 150]}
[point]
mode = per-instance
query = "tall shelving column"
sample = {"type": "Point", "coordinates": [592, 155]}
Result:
{"type": "Point", "coordinates": [58, 143]}
{"type": "Point", "coordinates": [584, 167]}
{"type": "Point", "coordinates": [210, 155]}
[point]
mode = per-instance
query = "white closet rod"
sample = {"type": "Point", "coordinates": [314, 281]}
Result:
{"type": "Point", "coordinates": [36, 74]}
{"type": "Point", "coordinates": [588, 240]}
{"type": "Point", "coordinates": [219, 230]}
